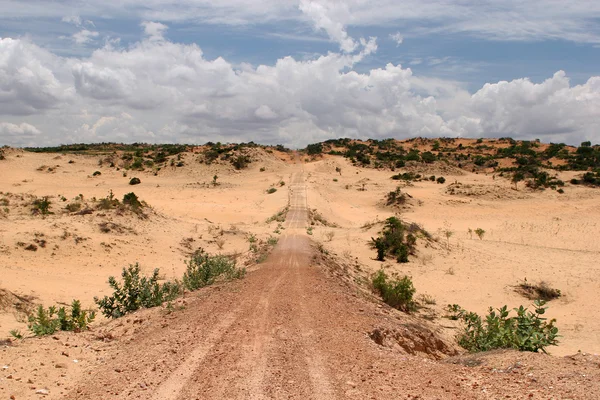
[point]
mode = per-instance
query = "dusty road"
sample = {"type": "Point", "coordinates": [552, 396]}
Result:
{"type": "Point", "coordinates": [291, 330]}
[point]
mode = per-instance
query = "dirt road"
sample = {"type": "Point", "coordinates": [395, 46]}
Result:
{"type": "Point", "coordinates": [291, 330]}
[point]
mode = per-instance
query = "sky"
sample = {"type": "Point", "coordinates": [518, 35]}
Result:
{"type": "Point", "coordinates": [294, 72]}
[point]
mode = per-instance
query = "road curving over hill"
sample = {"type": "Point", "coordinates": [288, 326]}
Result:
{"type": "Point", "coordinates": [293, 330]}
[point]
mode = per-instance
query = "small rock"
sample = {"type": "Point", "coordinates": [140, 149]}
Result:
{"type": "Point", "coordinates": [43, 392]}
{"type": "Point", "coordinates": [118, 370]}
{"type": "Point", "coordinates": [64, 353]}
{"type": "Point", "coordinates": [60, 365]}
{"type": "Point", "coordinates": [9, 377]}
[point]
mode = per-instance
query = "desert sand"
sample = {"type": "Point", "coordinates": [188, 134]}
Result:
{"type": "Point", "coordinates": [532, 235]}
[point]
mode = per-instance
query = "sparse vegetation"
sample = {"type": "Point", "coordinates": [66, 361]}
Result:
{"type": "Point", "coordinates": [480, 233]}
{"type": "Point", "coordinates": [280, 216]}
{"type": "Point", "coordinates": [204, 269]}
{"type": "Point", "coordinates": [396, 292]}
{"type": "Point", "coordinates": [41, 206]}
{"type": "Point", "coordinates": [271, 190]}
{"type": "Point", "coordinates": [135, 181]}
{"type": "Point", "coordinates": [396, 197]}
{"type": "Point", "coordinates": [541, 291]}
{"type": "Point", "coordinates": [48, 321]}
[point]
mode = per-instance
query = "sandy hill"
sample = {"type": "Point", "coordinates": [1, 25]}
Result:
{"type": "Point", "coordinates": [68, 222]}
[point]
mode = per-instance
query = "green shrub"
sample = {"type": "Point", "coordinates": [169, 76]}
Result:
{"type": "Point", "coordinates": [441, 180]}
{"type": "Point", "coordinates": [271, 190]}
{"type": "Point", "coordinates": [136, 292]}
{"type": "Point", "coordinates": [480, 233]}
{"type": "Point", "coordinates": [396, 197]}
{"type": "Point", "coordinates": [109, 202]}
{"type": "Point", "coordinates": [240, 162]}
{"type": "Point", "coordinates": [527, 331]}
{"type": "Point", "coordinates": [46, 322]}
{"type": "Point", "coordinates": [42, 206]}
{"type": "Point", "coordinates": [135, 181]}
{"type": "Point", "coordinates": [395, 292]}
{"type": "Point", "coordinates": [73, 207]}
{"type": "Point", "coordinates": [96, 173]}
{"type": "Point", "coordinates": [395, 241]}
{"type": "Point", "coordinates": [203, 270]}
{"type": "Point", "coordinates": [132, 200]}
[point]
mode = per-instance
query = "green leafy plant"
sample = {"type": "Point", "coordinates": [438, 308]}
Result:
{"type": "Point", "coordinates": [204, 269]}
{"type": "Point", "coordinates": [48, 321]}
{"type": "Point", "coordinates": [271, 190]}
{"type": "Point", "coordinates": [527, 331]}
{"type": "Point", "coordinates": [396, 292]}
{"type": "Point", "coordinates": [135, 292]}
{"type": "Point", "coordinates": [135, 181]}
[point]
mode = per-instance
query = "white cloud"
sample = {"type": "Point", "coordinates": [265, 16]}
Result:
{"type": "Point", "coordinates": [28, 80]}
{"type": "Point", "coordinates": [160, 91]}
{"type": "Point", "coordinates": [154, 30]}
{"type": "Point", "coordinates": [397, 37]}
{"type": "Point", "coordinates": [21, 130]}
{"type": "Point", "coordinates": [84, 36]}
{"type": "Point", "coordinates": [575, 20]}
{"type": "Point", "coordinates": [72, 19]}
{"type": "Point", "coordinates": [329, 17]}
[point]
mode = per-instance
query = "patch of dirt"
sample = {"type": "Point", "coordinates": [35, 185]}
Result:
{"type": "Point", "coordinates": [414, 339]}
{"type": "Point", "coordinates": [487, 192]}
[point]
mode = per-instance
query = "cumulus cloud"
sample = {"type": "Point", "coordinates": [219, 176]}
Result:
{"type": "Point", "coordinates": [160, 91]}
{"type": "Point", "coordinates": [154, 30]}
{"type": "Point", "coordinates": [28, 83]}
{"type": "Point", "coordinates": [23, 129]}
{"type": "Point", "coordinates": [329, 17]}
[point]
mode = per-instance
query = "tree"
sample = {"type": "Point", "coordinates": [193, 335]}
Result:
{"type": "Point", "coordinates": [517, 177]}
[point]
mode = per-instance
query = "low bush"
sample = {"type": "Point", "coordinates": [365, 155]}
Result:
{"type": "Point", "coordinates": [396, 197]}
{"type": "Point", "coordinates": [527, 331]}
{"type": "Point", "coordinates": [541, 291]}
{"type": "Point", "coordinates": [480, 233]}
{"type": "Point", "coordinates": [48, 321]}
{"type": "Point", "coordinates": [135, 292]}
{"type": "Point", "coordinates": [41, 206]}
{"type": "Point", "coordinates": [96, 173]}
{"type": "Point", "coordinates": [73, 207]}
{"type": "Point", "coordinates": [132, 200]}
{"type": "Point", "coordinates": [135, 181]}
{"type": "Point", "coordinates": [204, 269]}
{"type": "Point", "coordinates": [271, 190]}
{"type": "Point", "coordinates": [395, 292]}
{"type": "Point", "coordinates": [407, 176]}
{"type": "Point", "coordinates": [441, 180]}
